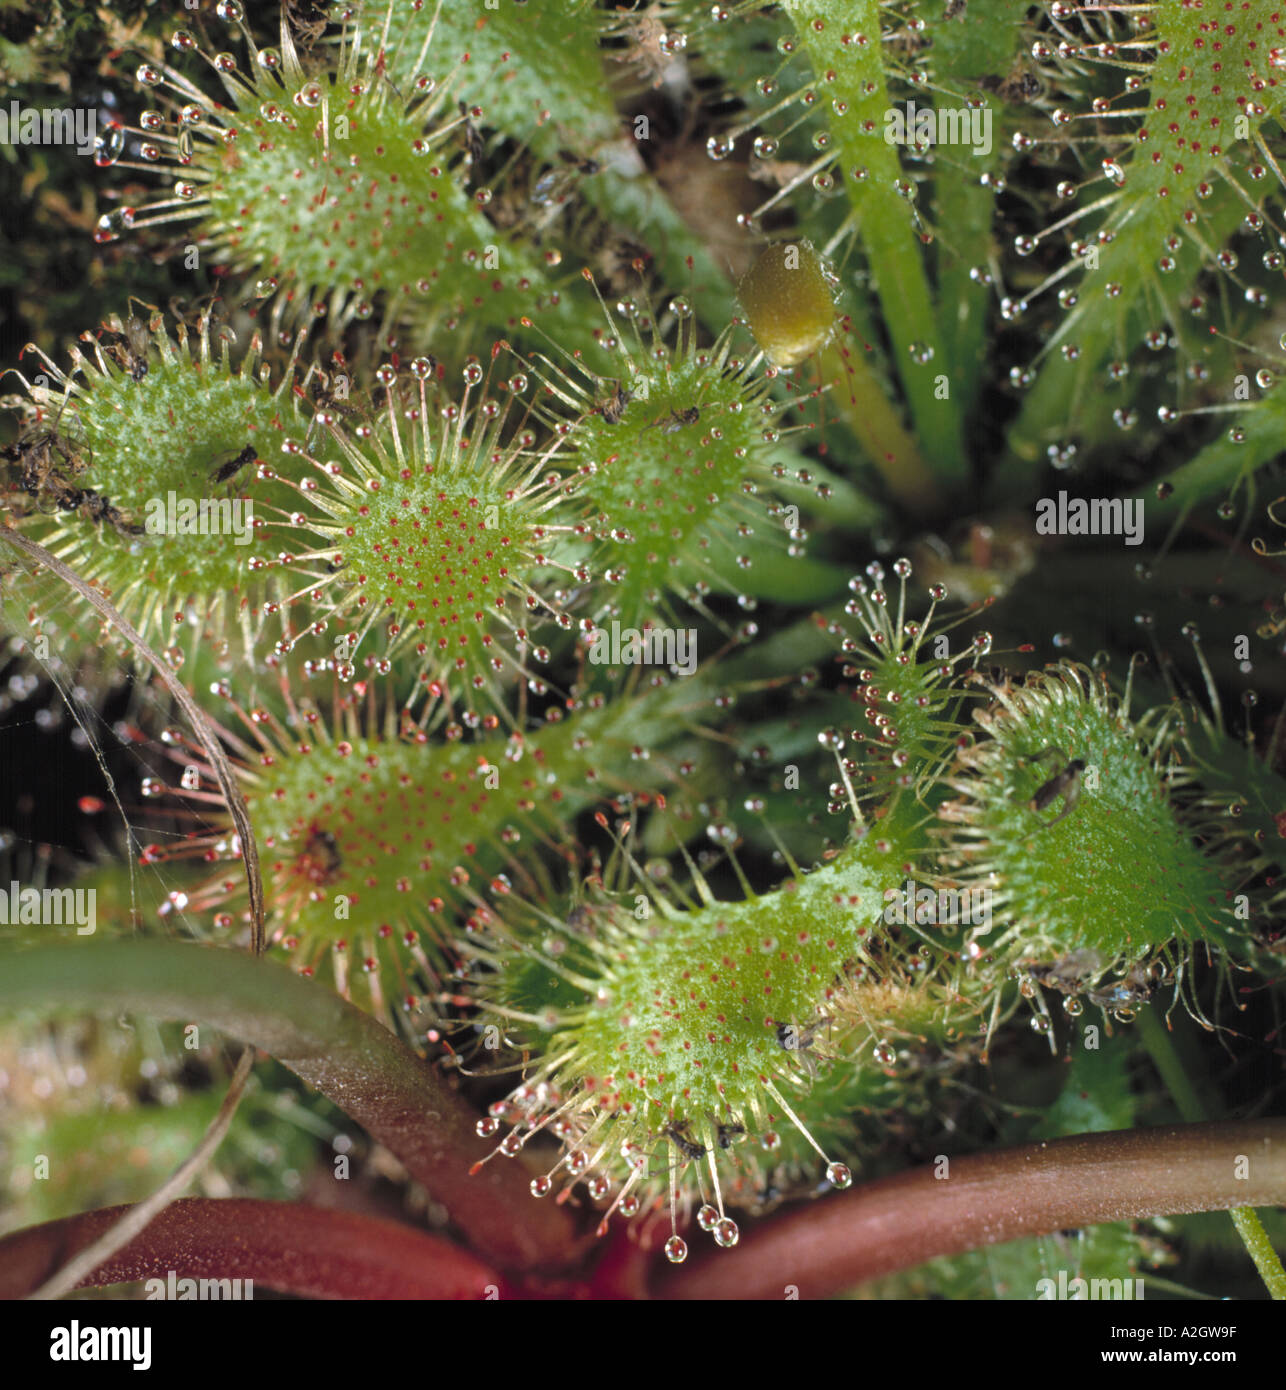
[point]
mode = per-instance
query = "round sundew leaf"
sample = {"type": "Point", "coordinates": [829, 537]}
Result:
{"type": "Point", "coordinates": [1106, 874]}
{"type": "Point", "coordinates": [659, 1040]}
{"type": "Point", "coordinates": [175, 462]}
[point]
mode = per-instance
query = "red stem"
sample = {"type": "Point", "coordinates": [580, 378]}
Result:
{"type": "Point", "coordinates": [398, 1098]}
{"type": "Point", "coordinates": [899, 1222]}
{"type": "Point", "coordinates": [308, 1251]}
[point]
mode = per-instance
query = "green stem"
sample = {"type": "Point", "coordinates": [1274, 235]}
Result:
{"type": "Point", "coordinates": [863, 403]}
{"type": "Point", "coordinates": [853, 73]}
{"type": "Point", "coordinates": [1160, 1046]}
{"type": "Point", "coordinates": [1267, 1261]}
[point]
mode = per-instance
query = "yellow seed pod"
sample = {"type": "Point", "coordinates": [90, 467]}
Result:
{"type": "Point", "coordinates": [787, 300]}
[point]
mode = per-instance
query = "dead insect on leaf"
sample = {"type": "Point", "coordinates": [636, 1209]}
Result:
{"type": "Point", "coordinates": [233, 466]}
{"type": "Point", "coordinates": [473, 143]}
{"type": "Point", "coordinates": [677, 1134]}
{"type": "Point", "coordinates": [129, 344]}
{"type": "Point", "coordinates": [1018, 85]}
{"type": "Point", "coordinates": [674, 421]}
{"type": "Point", "coordinates": [41, 454]}
{"type": "Point", "coordinates": [612, 407]}
{"type": "Point", "coordinates": [320, 859]}
{"type": "Point", "coordinates": [1066, 784]}
{"type": "Point", "coordinates": [306, 20]}
{"type": "Point", "coordinates": [729, 1134]}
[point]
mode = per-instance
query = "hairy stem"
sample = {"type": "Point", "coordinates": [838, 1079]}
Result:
{"type": "Point", "coordinates": [866, 409]}
{"type": "Point", "coordinates": [1165, 1057]}
{"type": "Point", "coordinates": [987, 1199]}
{"type": "Point", "coordinates": [855, 75]}
{"type": "Point", "coordinates": [136, 1219]}
{"type": "Point", "coordinates": [1267, 1261]}
{"type": "Point", "coordinates": [393, 1094]}
{"type": "Point", "coordinates": [294, 1249]}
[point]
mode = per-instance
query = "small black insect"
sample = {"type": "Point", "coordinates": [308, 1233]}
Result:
{"type": "Point", "coordinates": [675, 420]}
{"type": "Point", "coordinates": [729, 1134]}
{"type": "Point", "coordinates": [613, 407]}
{"type": "Point", "coordinates": [50, 463]}
{"type": "Point", "coordinates": [99, 508]}
{"type": "Point", "coordinates": [472, 140]}
{"type": "Point", "coordinates": [796, 1039]}
{"type": "Point", "coordinates": [331, 393]}
{"type": "Point", "coordinates": [129, 346]}
{"type": "Point", "coordinates": [42, 454]}
{"type": "Point", "coordinates": [955, 8]}
{"type": "Point", "coordinates": [688, 1147]}
{"type": "Point", "coordinates": [320, 860]}
{"type": "Point", "coordinates": [800, 1041]}
{"type": "Point", "coordinates": [233, 465]}
{"type": "Point", "coordinates": [1066, 784]}
{"type": "Point", "coordinates": [307, 21]}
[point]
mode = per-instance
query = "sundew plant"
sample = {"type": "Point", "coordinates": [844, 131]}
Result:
{"type": "Point", "coordinates": [648, 638]}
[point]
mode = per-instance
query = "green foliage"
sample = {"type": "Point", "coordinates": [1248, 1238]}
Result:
{"type": "Point", "coordinates": [541, 336]}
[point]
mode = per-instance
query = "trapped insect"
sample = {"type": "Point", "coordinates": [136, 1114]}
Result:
{"type": "Point", "coordinates": [331, 393]}
{"type": "Point", "coordinates": [1134, 988]}
{"type": "Point", "coordinates": [37, 452]}
{"type": "Point", "coordinates": [1066, 784]}
{"type": "Point", "coordinates": [678, 1135]}
{"type": "Point", "coordinates": [99, 508]}
{"type": "Point", "coordinates": [729, 1134]}
{"type": "Point", "coordinates": [233, 466]}
{"type": "Point", "coordinates": [46, 458]}
{"type": "Point", "coordinates": [796, 1039]}
{"type": "Point", "coordinates": [129, 344]}
{"type": "Point", "coordinates": [612, 407]}
{"type": "Point", "coordinates": [473, 145]}
{"type": "Point", "coordinates": [554, 186]}
{"type": "Point", "coordinates": [1018, 85]}
{"type": "Point", "coordinates": [800, 1041]}
{"type": "Point", "coordinates": [328, 394]}
{"type": "Point", "coordinates": [1069, 974]}
{"type": "Point", "coordinates": [674, 421]}
{"type": "Point", "coordinates": [320, 860]}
